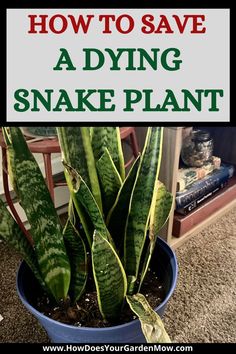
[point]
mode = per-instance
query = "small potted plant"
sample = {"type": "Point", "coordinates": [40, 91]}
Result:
{"type": "Point", "coordinates": [107, 246]}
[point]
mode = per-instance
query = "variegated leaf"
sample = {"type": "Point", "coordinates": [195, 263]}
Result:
{"type": "Point", "coordinates": [140, 203]}
{"type": "Point", "coordinates": [117, 216]}
{"type": "Point", "coordinates": [10, 165]}
{"type": "Point", "coordinates": [11, 233]}
{"type": "Point", "coordinates": [160, 210]}
{"type": "Point", "coordinates": [110, 180]}
{"type": "Point", "coordinates": [151, 323]}
{"type": "Point", "coordinates": [76, 251]}
{"type": "Point", "coordinates": [45, 225]}
{"type": "Point", "coordinates": [84, 197]}
{"type": "Point", "coordinates": [75, 143]}
{"type": "Point", "coordinates": [110, 278]}
{"type": "Point", "coordinates": [109, 137]}
{"type": "Point", "coordinates": [76, 206]}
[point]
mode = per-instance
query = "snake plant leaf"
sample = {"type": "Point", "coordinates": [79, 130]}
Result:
{"type": "Point", "coordinates": [110, 278]}
{"type": "Point", "coordinates": [10, 165]}
{"type": "Point", "coordinates": [162, 204]}
{"type": "Point", "coordinates": [11, 233]}
{"type": "Point", "coordinates": [75, 143]}
{"type": "Point", "coordinates": [71, 212]}
{"type": "Point", "coordinates": [151, 323]}
{"type": "Point", "coordinates": [77, 206]}
{"type": "Point", "coordinates": [108, 137]}
{"type": "Point", "coordinates": [91, 132]}
{"type": "Point", "coordinates": [76, 251]}
{"type": "Point", "coordinates": [84, 197]}
{"type": "Point", "coordinates": [160, 210]}
{"type": "Point", "coordinates": [46, 229]}
{"type": "Point", "coordinates": [117, 216]}
{"type": "Point", "coordinates": [140, 203]}
{"type": "Point", "coordinates": [110, 180]}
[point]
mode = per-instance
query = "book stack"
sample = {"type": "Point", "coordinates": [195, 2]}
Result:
{"type": "Point", "coordinates": [188, 175]}
{"type": "Point", "coordinates": [203, 196]}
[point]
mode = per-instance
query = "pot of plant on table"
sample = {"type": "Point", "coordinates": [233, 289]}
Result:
{"type": "Point", "coordinates": [91, 280]}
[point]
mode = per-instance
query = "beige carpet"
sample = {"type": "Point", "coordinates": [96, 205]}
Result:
{"type": "Point", "coordinates": [203, 308]}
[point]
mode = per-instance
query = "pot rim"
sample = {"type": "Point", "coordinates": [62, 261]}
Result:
{"type": "Point", "coordinates": [32, 309]}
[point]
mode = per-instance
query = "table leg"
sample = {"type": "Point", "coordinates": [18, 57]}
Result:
{"type": "Point", "coordinates": [48, 172]}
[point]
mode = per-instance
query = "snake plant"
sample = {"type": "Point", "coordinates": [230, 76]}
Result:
{"type": "Point", "coordinates": [117, 214]}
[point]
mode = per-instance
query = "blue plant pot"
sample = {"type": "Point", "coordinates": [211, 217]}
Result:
{"type": "Point", "coordinates": [163, 263]}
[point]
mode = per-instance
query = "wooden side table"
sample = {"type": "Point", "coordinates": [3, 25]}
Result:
{"type": "Point", "coordinates": [129, 133]}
